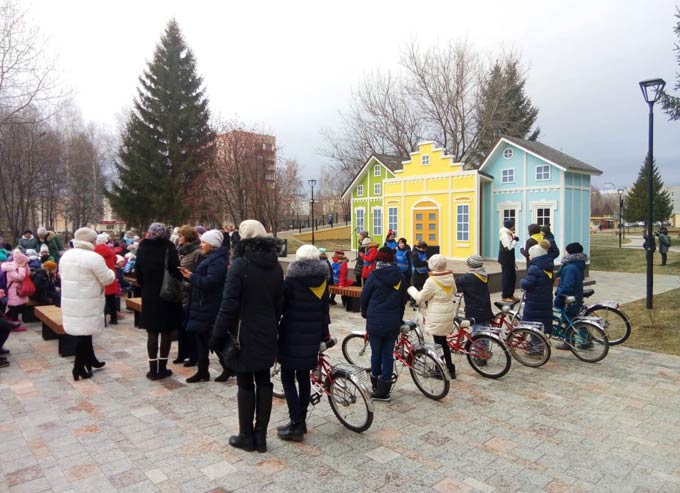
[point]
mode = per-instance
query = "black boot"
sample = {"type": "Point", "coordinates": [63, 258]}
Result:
{"type": "Point", "coordinates": [383, 391]}
{"type": "Point", "coordinates": [374, 383]}
{"type": "Point", "coordinates": [452, 372]}
{"type": "Point", "coordinates": [287, 426]}
{"type": "Point", "coordinates": [294, 433]}
{"type": "Point", "coordinates": [263, 412]}
{"type": "Point", "coordinates": [246, 412]}
{"type": "Point", "coordinates": [202, 375]}
{"type": "Point", "coordinates": [153, 370]}
{"type": "Point", "coordinates": [226, 374]}
{"type": "Point", "coordinates": [163, 371]}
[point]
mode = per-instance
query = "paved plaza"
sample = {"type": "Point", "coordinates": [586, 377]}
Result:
{"type": "Point", "coordinates": [569, 426]}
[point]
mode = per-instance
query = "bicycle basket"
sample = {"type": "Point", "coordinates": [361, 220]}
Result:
{"type": "Point", "coordinates": [429, 346]}
{"type": "Point", "coordinates": [357, 372]}
{"type": "Point", "coordinates": [531, 326]}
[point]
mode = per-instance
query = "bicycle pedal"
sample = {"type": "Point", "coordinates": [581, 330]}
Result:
{"type": "Point", "coordinates": [315, 399]}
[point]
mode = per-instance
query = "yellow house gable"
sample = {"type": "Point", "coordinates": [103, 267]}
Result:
{"type": "Point", "coordinates": [428, 160]}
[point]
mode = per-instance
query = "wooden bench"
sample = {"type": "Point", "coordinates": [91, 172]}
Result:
{"type": "Point", "coordinates": [53, 328]}
{"type": "Point", "coordinates": [352, 295]}
{"type": "Point", "coordinates": [135, 304]}
{"type": "Point", "coordinates": [136, 289]}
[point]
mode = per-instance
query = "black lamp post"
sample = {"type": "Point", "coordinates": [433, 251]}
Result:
{"type": "Point", "coordinates": [311, 205]}
{"type": "Point", "coordinates": [652, 90]}
{"type": "Point", "coordinates": [620, 191]}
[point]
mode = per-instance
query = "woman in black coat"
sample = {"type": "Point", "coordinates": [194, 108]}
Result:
{"type": "Point", "coordinates": [252, 303]}
{"type": "Point", "coordinates": [205, 298]}
{"type": "Point", "coordinates": [302, 328]}
{"type": "Point", "coordinates": [158, 316]}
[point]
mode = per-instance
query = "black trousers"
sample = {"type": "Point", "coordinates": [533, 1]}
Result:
{"type": "Point", "coordinates": [508, 280]}
{"type": "Point", "coordinates": [664, 257]}
{"type": "Point", "coordinates": [13, 312]}
{"type": "Point", "coordinates": [441, 340]}
{"type": "Point", "coordinates": [298, 397]}
{"type": "Point", "coordinates": [248, 380]}
{"type": "Point", "coordinates": [111, 307]}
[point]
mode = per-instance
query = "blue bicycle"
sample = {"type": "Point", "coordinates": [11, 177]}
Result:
{"type": "Point", "coordinates": [584, 335]}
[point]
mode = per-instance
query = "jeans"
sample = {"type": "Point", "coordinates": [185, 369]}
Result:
{"type": "Point", "coordinates": [508, 280]}
{"type": "Point", "coordinates": [382, 359]}
{"type": "Point", "coordinates": [296, 398]}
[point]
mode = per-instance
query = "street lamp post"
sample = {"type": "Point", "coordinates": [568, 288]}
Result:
{"type": "Point", "coordinates": [311, 205]}
{"type": "Point", "coordinates": [652, 90]}
{"type": "Point", "coordinates": [620, 191]}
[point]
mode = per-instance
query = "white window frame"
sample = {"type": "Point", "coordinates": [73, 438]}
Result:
{"type": "Point", "coordinates": [463, 234]}
{"type": "Point", "coordinates": [360, 190]}
{"type": "Point", "coordinates": [508, 175]}
{"type": "Point", "coordinates": [543, 167]}
{"type": "Point", "coordinates": [377, 221]}
{"type": "Point", "coordinates": [508, 153]}
{"type": "Point", "coordinates": [425, 159]}
{"type": "Point", "coordinates": [376, 170]}
{"type": "Point", "coordinates": [360, 226]}
{"type": "Point", "coordinates": [550, 215]}
{"type": "Point", "coordinates": [377, 189]}
{"type": "Point", "coordinates": [542, 204]}
{"type": "Point", "coordinates": [392, 219]}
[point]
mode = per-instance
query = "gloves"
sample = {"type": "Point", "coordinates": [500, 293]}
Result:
{"type": "Point", "coordinates": [516, 238]}
{"type": "Point", "coordinates": [216, 343]}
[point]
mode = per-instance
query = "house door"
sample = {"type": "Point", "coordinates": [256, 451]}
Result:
{"type": "Point", "coordinates": [426, 223]}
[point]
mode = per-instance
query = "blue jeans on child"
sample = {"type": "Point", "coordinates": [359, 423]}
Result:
{"type": "Point", "coordinates": [382, 360]}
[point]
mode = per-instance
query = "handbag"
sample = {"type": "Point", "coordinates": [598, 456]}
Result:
{"type": "Point", "coordinates": [171, 288]}
{"type": "Point", "coordinates": [26, 289]}
{"type": "Point", "coordinates": [232, 347]}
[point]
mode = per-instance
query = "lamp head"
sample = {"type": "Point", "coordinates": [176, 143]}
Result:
{"type": "Point", "coordinates": [652, 90]}
{"type": "Point", "coordinates": [620, 192]}
{"type": "Point", "coordinates": [312, 183]}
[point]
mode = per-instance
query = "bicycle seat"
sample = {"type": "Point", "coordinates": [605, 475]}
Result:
{"type": "Point", "coordinates": [407, 326]}
{"type": "Point", "coordinates": [327, 344]}
{"type": "Point", "coordinates": [587, 293]}
{"type": "Point", "coordinates": [501, 304]}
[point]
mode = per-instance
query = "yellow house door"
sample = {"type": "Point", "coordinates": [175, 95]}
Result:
{"type": "Point", "coordinates": [426, 223]}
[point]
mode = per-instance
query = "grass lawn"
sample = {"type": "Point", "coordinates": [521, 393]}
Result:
{"type": "Point", "coordinates": [329, 245]}
{"type": "Point", "coordinates": [658, 331]}
{"type": "Point", "coordinates": [606, 255]}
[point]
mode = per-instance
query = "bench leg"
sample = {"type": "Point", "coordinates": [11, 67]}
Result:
{"type": "Point", "coordinates": [353, 305]}
{"type": "Point", "coordinates": [27, 316]}
{"type": "Point", "coordinates": [67, 345]}
{"type": "Point", "coordinates": [48, 334]}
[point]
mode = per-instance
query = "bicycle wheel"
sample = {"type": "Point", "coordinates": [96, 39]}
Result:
{"type": "Point", "coordinates": [349, 402]}
{"type": "Point", "coordinates": [357, 351]}
{"type": "Point", "coordinates": [528, 347]}
{"type": "Point", "coordinates": [275, 375]}
{"type": "Point", "coordinates": [488, 356]}
{"type": "Point", "coordinates": [428, 375]}
{"type": "Point", "coordinates": [587, 341]}
{"type": "Point", "coordinates": [614, 322]}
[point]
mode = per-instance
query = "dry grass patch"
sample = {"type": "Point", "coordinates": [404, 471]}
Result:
{"type": "Point", "coordinates": [606, 255]}
{"type": "Point", "coordinates": [656, 330]}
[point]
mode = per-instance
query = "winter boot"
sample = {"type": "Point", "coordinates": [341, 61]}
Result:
{"type": "Point", "coordinates": [382, 393]}
{"type": "Point", "coordinates": [374, 383]}
{"type": "Point", "coordinates": [153, 370]}
{"type": "Point", "coordinates": [263, 412]}
{"type": "Point", "coordinates": [246, 412]}
{"type": "Point", "coordinates": [302, 424]}
{"type": "Point", "coordinates": [452, 371]}
{"type": "Point", "coordinates": [293, 433]}
{"type": "Point", "coordinates": [202, 375]}
{"type": "Point", "coordinates": [226, 374]}
{"type": "Point", "coordinates": [163, 371]}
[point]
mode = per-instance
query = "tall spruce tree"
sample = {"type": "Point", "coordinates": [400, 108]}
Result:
{"type": "Point", "coordinates": [635, 205]}
{"type": "Point", "coordinates": [671, 104]}
{"type": "Point", "coordinates": [505, 109]}
{"type": "Point", "coordinates": [167, 140]}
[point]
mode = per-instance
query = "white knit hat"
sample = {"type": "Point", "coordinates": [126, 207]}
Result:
{"type": "Point", "coordinates": [85, 234]}
{"type": "Point", "coordinates": [539, 250]}
{"type": "Point", "coordinates": [250, 228]}
{"type": "Point", "coordinates": [102, 239]}
{"type": "Point", "coordinates": [213, 237]}
{"type": "Point", "coordinates": [307, 252]}
{"type": "Point", "coordinates": [44, 248]}
{"type": "Point", "coordinates": [437, 263]}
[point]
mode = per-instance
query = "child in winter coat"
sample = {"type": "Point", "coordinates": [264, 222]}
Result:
{"type": "Point", "coordinates": [369, 258]}
{"type": "Point", "coordinates": [340, 274]}
{"type": "Point", "coordinates": [535, 236]}
{"type": "Point", "coordinates": [572, 273]}
{"type": "Point", "coordinates": [538, 286]}
{"type": "Point", "coordinates": [16, 271]}
{"type": "Point", "coordinates": [438, 292]}
{"type": "Point", "coordinates": [390, 240]}
{"type": "Point", "coordinates": [419, 262]}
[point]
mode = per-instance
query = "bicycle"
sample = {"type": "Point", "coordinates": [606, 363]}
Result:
{"type": "Point", "coordinates": [343, 384]}
{"type": "Point", "coordinates": [486, 353]}
{"type": "Point", "coordinates": [613, 320]}
{"type": "Point", "coordinates": [423, 360]}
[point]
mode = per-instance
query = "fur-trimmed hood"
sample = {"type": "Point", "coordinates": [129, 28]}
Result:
{"type": "Point", "coordinates": [575, 257]}
{"type": "Point", "coordinates": [261, 250]}
{"type": "Point", "coordinates": [307, 268]}
{"type": "Point", "coordinates": [189, 247]}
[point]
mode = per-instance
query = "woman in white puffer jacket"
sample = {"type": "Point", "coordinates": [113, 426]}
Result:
{"type": "Point", "coordinates": [83, 277]}
{"type": "Point", "coordinates": [438, 292]}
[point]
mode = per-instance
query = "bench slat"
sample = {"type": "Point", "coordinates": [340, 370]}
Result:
{"type": "Point", "coordinates": [50, 315]}
{"type": "Point", "coordinates": [134, 304]}
{"type": "Point", "coordinates": [351, 291]}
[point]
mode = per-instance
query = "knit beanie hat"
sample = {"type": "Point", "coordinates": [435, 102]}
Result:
{"type": "Point", "coordinates": [339, 253]}
{"type": "Point", "coordinates": [85, 234]}
{"type": "Point", "coordinates": [119, 259]}
{"type": "Point", "coordinates": [42, 231]}
{"type": "Point", "coordinates": [437, 263]}
{"type": "Point", "coordinates": [307, 252]}
{"type": "Point", "coordinates": [49, 266]}
{"type": "Point", "coordinates": [509, 223]}
{"type": "Point", "coordinates": [31, 253]}
{"type": "Point", "coordinates": [44, 248]}
{"type": "Point", "coordinates": [213, 237]}
{"type": "Point", "coordinates": [534, 229]}
{"type": "Point", "coordinates": [573, 248]}
{"type": "Point", "coordinates": [366, 241]}
{"type": "Point", "coordinates": [385, 254]}
{"type": "Point", "coordinates": [475, 262]}
{"type": "Point", "coordinates": [251, 228]}
{"type": "Point", "coordinates": [200, 229]}
{"type": "Point", "coordinates": [540, 249]}
{"type": "Point", "coordinates": [19, 258]}
{"type": "Point", "coordinates": [102, 239]}
{"type": "Point", "coordinates": [156, 230]}
{"type": "Point", "coordinates": [421, 244]}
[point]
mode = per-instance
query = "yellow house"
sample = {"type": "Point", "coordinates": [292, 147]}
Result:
{"type": "Point", "coordinates": [436, 200]}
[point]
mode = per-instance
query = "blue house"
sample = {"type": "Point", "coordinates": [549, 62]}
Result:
{"type": "Point", "coordinates": [534, 183]}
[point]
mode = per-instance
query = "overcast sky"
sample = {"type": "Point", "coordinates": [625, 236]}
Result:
{"type": "Point", "coordinates": [289, 66]}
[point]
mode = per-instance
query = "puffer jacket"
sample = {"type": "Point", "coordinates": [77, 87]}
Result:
{"type": "Point", "coordinates": [538, 286]}
{"type": "Point", "coordinates": [382, 300]}
{"type": "Point", "coordinates": [207, 284]}
{"type": "Point", "coordinates": [475, 289]}
{"type": "Point", "coordinates": [189, 254]}
{"type": "Point", "coordinates": [16, 271]}
{"type": "Point", "coordinates": [53, 243]}
{"type": "Point", "coordinates": [369, 261]}
{"type": "Point", "coordinates": [84, 276]}
{"type": "Point", "coordinates": [438, 291]}
{"type": "Point", "coordinates": [110, 258]}
{"type": "Point", "coordinates": [305, 314]}
{"type": "Point", "coordinates": [572, 273]}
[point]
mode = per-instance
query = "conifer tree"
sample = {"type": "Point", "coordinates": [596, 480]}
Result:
{"type": "Point", "coordinates": [635, 205]}
{"type": "Point", "coordinates": [166, 143]}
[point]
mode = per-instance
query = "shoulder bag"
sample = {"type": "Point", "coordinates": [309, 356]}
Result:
{"type": "Point", "coordinates": [171, 288]}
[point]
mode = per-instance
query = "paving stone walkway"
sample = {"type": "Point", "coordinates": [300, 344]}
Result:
{"type": "Point", "coordinates": [569, 426]}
